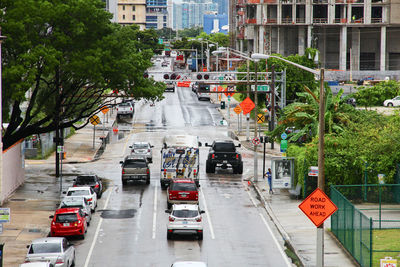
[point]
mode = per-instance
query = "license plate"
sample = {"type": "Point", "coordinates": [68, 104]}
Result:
{"type": "Point", "coordinates": [66, 224]}
{"type": "Point", "coordinates": [185, 222]}
{"type": "Point", "coordinates": [225, 161]}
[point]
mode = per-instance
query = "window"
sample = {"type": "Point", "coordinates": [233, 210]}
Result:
{"type": "Point", "coordinates": [123, 16]}
{"type": "Point", "coordinates": [133, 17]}
{"type": "Point", "coordinates": [164, 18]}
{"type": "Point", "coordinates": [133, 8]}
{"type": "Point", "coordinates": [123, 7]}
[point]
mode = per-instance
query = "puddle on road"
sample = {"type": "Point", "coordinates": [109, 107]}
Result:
{"type": "Point", "coordinates": [118, 214]}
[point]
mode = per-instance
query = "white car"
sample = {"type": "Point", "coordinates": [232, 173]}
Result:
{"type": "Point", "coordinates": [84, 191]}
{"type": "Point", "coordinates": [392, 102]}
{"type": "Point", "coordinates": [189, 264]}
{"type": "Point", "coordinates": [78, 202]}
{"type": "Point", "coordinates": [185, 219]}
{"type": "Point", "coordinates": [142, 149]}
{"type": "Point", "coordinates": [57, 250]}
{"type": "Point", "coordinates": [37, 264]}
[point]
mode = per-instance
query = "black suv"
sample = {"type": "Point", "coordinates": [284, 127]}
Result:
{"type": "Point", "coordinates": [223, 153]}
{"type": "Point", "coordinates": [90, 180]}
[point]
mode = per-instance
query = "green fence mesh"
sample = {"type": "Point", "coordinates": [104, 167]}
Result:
{"type": "Point", "coordinates": [367, 221]}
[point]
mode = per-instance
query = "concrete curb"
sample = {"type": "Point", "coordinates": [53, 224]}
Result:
{"type": "Point", "coordinates": [281, 230]}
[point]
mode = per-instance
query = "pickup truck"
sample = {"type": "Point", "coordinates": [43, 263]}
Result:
{"type": "Point", "coordinates": [135, 168]}
{"type": "Point", "coordinates": [170, 86]}
{"type": "Point", "coordinates": [125, 108]}
{"type": "Point", "coordinates": [223, 153]}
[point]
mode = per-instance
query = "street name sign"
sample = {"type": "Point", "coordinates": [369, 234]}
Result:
{"type": "Point", "coordinates": [247, 105]}
{"type": "Point", "coordinates": [94, 120]}
{"type": "Point", "coordinates": [283, 145]}
{"type": "Point", "coordinates": [318, 207]}
{"type": "Point", "coordinates": [260, 118]}
{"type": "Point", "coordinates": [260, 88]}
{"type": "Point", "coordinates": [237, 109]}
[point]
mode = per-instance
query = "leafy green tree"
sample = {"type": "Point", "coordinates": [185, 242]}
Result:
{"type": "Point", "coordinates": [61, 61]}
{"type": "Point", "coordinates": [375, 95]}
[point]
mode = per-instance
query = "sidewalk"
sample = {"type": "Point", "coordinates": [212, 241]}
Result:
{"type": "Point", "coordinates": [35, 200]}
{"type": "Point", "coordinates": [299, 233]}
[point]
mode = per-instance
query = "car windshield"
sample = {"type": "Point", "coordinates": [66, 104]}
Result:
{"type": "Point", "coordinates": [140, 146]}
{"type": "Point", "coordinates": [78, 193]}
{"type": "Point", "coordinates": [224, 147]}
{"type": "Point", "coordinates": [66, 217]}
{"type": "Point", "coordinates": [45, 248]}
{"type": "Point", "coordinates": [185, 213]}
{"type": "Point", "coordinates": [71, 205]}
{"type": "Point", "coordinates": [183, 187]}
{"type": "Point", "coordinates": [135, 164]}
{"type": "Point", "coordinates": [85, 180]}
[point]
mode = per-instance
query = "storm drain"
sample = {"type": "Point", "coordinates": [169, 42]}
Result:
{"type": "Point", "coordinates": [18, 199]}
{"type": "Point", "coordinates": [118, 214]}
{"type": "Point", "coordinates": [34, 230]}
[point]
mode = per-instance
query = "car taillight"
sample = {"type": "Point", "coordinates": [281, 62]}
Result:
{"type": "Point", "coordinates": [197, 195]}
{"type": "Point", "coordinates": [147, 171]}
{"type": "Point", "coordinates": [148, 150]}
{"type": "Point", "coordinates": [198, 219]}
{"type": "Point", "coordinates": [74, 185]}
{"type": "Point", "coordinates": [89, 199]}
{"type": "Point", "coordinates": [194, 172]}
{"type": "Point", "coordinates": [59, 261]}
{"type": "Point", "coordinates": [237, 156]}
{"type": "Point", "coordinates": [117, 109]}
{"type": "Point", "coordinates": [171, 219]}
{"type": "Point", "coordinates": [97, 186]}
{"type": "Point", "coordinates": [212, 156]}
{"type": "Point", "coordinates": [130, 108]}
{"type": "Point", "coordinates": [123, 171]}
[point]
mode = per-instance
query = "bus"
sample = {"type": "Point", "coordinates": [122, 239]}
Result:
{"type": "Point", "coordinates": [179, 158]}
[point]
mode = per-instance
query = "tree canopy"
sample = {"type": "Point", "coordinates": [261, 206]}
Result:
{"type": "Point", "coordinates": [61, 61]}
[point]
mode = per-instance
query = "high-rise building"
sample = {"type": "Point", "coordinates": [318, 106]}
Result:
{"type": "Point", "coordinates": [215, 23]}
{"type": "Point", "coordinates": [350, 34]}
{"type": "Point", "coordinates": [112, 7]}
{"type": "Point", "coordinates": [157, 14]}
{"type": "Point", "coordinates": [132, 12]}
{"type": "Point", "coordinates": [189, 14]}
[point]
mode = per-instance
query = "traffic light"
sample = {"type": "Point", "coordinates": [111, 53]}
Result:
{"type": "Point", "coordinates": [173, 76]}
{"type": "Point", "coordinates": [166, 76]}
{"type": "Point", "coordinates": [201, 76]}
{"type": "Point", "coordinates": [222, 104]}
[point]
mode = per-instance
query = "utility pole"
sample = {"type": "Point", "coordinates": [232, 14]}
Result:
{"type": "Point", "coordinates": [272, 103]}
{"type": "Point", "coordinates": [255, 127]}
{"type": "Point", "coordinates": [57, 120]}
{"type": "Point", "coordinates": [248, 95]}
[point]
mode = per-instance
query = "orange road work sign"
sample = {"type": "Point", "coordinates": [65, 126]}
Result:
{"type": "Point", "coordinates": [104, 109]}
{"type": "Point", "coordinates": [237, 109]}
{"type": "Point", "coordinates": [318, 207]}
{"type": "Point", "coordinates": [247, 105]}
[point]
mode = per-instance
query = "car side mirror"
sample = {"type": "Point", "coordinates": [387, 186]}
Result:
{"type": "Point", "coordinates": [121, 162]}
{"type": "Point", "coordinates": [202, 211]}
{"type": "Point", "coordinates": [151, 146]}
{"type": "Point", "coordinates": [239, 145]}
{"type": "Point", "coordinates": [64, 192]}
{"type": "Point", "coordinates": [27, 246]}
{"type": "Point", "coordinates": [130, 146]}
{"type": "Point", "coordinates": [206, 144]}
{"type": "Point", "coordinates": [74, 180]}
{"type": "Point", "coordinates": [167, 211]}
{"type": "Point", "coordinates": [200, 144]}
{"type": "Point", "coordinates": [51, 216]}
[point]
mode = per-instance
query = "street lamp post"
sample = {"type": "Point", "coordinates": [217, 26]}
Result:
{"type": "Point", "coordinates": [255, 124]}
{"type": "Point", "coordinates": [321, 132]}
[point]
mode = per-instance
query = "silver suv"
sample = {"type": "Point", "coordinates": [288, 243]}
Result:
{"type": "Point", "coordinates": [142, 149]}
{"type": "Point", "coordinates": [185, 219]}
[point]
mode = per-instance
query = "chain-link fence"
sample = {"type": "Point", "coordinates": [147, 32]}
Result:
{"type": "Point", "coordinates": [366, 214]}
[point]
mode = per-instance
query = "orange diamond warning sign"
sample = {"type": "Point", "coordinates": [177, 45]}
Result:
{"type": "Point", "coordinates": [247, 105]}
{"type": "Point", "coordinates": [318, 207]}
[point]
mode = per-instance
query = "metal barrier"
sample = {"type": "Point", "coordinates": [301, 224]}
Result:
{"type": "Point", "coordinates": [363, 212]}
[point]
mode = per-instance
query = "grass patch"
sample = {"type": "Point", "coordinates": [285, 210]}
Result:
{"type": "Point", "coordinates": [387, 239]}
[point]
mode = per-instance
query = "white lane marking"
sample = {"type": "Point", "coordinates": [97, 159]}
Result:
{"type": "Point", "coordinates": [155, 212]}
{"type": "Point", "coordinates": [96, 233]}
{"type": "Point", "coordinates": [126, 143]}
{"type": "Point", "coordinates": [284, 256]}
{"type": "Point", "coordinates": [208, 215]}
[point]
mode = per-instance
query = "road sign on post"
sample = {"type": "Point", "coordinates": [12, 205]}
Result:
{"type": "Point", "coordinates": [283, 145]}
{"type": "Point", "coordinates": [94, 120]}
{"type": "Point", "coordinates": [237, 110]}
{"type": "Point", "coordinates": [318, 207]}
{"type": "Point", "coordinates": [247, 105]}
{"type": "Point", "coordinates": [260, 118]}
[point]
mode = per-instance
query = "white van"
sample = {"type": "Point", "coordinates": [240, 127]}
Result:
{"type": "Point", "coordinates": [179, 158]}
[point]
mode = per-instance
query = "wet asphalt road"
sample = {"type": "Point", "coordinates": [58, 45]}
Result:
{"type": "Point", "coordinates": [129, 226]}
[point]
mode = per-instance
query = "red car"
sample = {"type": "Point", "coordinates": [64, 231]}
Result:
{"type": "Point", "coordinates": [182, 191]}
{"type": "Point", "coordinates": [68, 222]}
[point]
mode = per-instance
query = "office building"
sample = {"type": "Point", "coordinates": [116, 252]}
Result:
{"type": "Point", "coordinates": [157, 14]}
{"type": "Point", "coordinates": [190, 14]}
{"type": "Point", "coordinates": [215, 23]}
{"type": "Point", "coordinates": [132, 12]}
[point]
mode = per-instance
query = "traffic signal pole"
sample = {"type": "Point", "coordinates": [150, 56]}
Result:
{"type": "Point", "coordinates": [255, 126]}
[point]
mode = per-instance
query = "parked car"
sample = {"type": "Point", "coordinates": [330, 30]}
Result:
{"type": "Point", "coordinates": [223, 153]}
{"type": "Point", "coordinates": [185, 219]}
{"type": "Point", "coordinates": [135, 168]}
{"type": "Point", "coordinates": [189, 264]}
{"type": "Point", "coordinates": [84, 191]}
{"type": "Point", "coordinates": [91, 180]}
{"type": "Point", "coordinates": [182, 191]}
{"type": "Point", "coordinates": [203, 92]}
{"type": "Point", "coordinates": [142, 149]}
{"type": "Point", "coordinates": [394, 102]}
{"type": "Point", "coordinates": [68, 222]}
{"type": "Point", "coordinates": [57, 250]}
{"type": "Point", "coordinates": [78, 202]}
{"type": "Point", "coordinates": [37, 264]}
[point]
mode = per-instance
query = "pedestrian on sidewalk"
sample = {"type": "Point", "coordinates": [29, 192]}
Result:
{"type": "Point", "coordinates": [268, 174]}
